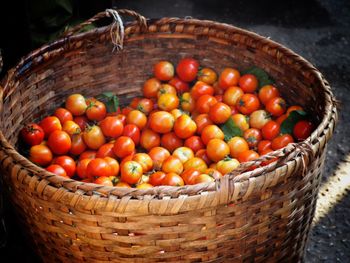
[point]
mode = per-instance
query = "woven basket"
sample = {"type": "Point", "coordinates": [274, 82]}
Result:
{"type": "Point", "coordinates": [252, 215]}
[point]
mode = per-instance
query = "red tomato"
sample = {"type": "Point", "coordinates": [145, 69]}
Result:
{"type": "Point", "coordinates": [268, 92]}
{"type": "Point", "coordinates": [131, 172]}
{"type": "Point", "coordinates": [201, 88]}
{"type": "Point", "coordinates": [173, 179]}
{"type": "Point", "coordinates": [170, 141]}
{"type": "Point", "coordinates": [82, 168]}
{"type": "Point", "coordinates": [217, 149]}
{"type": "Point", "coordinates": [149, 139]}
{"type": "Point", "coordinates": [132, 131]}
{"type": "Point", "coordinates": [63, 115]}
{"type": "Point", "coordinates": [151, 87]}
{"type": "Point", "coordinates": [113, 163]}
{"type": "Point", "coordinates": [276, 106]}
{"type": "Point", "coordinates": [40, 154]}
{"type": "Point", "coordinates": [93, 137]}
{"type": "Point", "coordinates": [195, 143]}
{"type": "Point", "coordinates": [302, 130]}
{"type": "Point", "coordinates": [138, 118]}
{"type": "Point", "coordinates": [123, 146]}
{"type": "Point", "coordinates": [211, 132]}
{"type": "Point", "coordinates": [202, 153]}
{"type": "Point", "coordinates": [163, 70]}
{"type": "Point", "coordinates": [180, 85]}
{"type": "Point", "coordinates": [248, 83]}
{"type": "Point", "coordinates": [247, 156]}
{"type": "Point", "coordinates": [96, 110]}
{"type": "Point", "coordinates": [78, 145]}
{"type": "Point", "coordinates": [263, 145]}
{"type": "Point", "coordinates": [98, 167]}
{"type": "Point", "coordinates": [59, 142]}
{"type": "Point", "coordinates": [205, 102]}
{"type": "Point", "coordinates": [202, 120]}
{"type": "Point", "coordinates": [281, 141]}
{"type": "Point", "coordinates": [50, 124]}
{"type": "Point", "coordinates": [184, 127]}
{"type": "Point", "coordinates": [161, 121]}
{"type": "Point", "coordinates": [270, 130]}
{"type": "Point", "coordinates": [57, 169]}
{"type": "Point", "coordinates": [172, 164]}
{"type": "Point", "coordinates": [248, 103]}
{"type": "Point", "coordinates": [32, 134]}
{"type": "Point", "coordinates": [134, 102]}
{"type": "Point", "coordinates": [105, 150]}
{"type": "Point", "coordinates": [82, 121]}
{"type": "Point", "coordinates": [111, 126]}
{"type": "Point", "coordinates": [189, 176]}
{"type": "Point", "coordinates": [207, 75]}
{"type": "Point", "coordinates": [76, 104]}
{"type": "Point", "coordinates": [253, 137]}
{"type": "Point", "coordinates": [229, 77]}
{"type": "Point", "coordinates": [157, 178]}
{"type": "Point", "coordinates": [187, 69]}
{"type": "Point", "coordinates": [67, 163]}
{"type": "Point", "coordinates": [220, 113]}
{"type": "Point", "coordinates": [145, 105]}
{"type": "Point", "coordinates": [103, 180]}
{"type": "Point", "coordinates": [158, 155]}
{"type": "Point", "coordinates": [88, 155]}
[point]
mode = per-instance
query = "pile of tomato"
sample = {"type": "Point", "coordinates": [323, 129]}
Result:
{"type": "Point", "coordinates": [191, 126]}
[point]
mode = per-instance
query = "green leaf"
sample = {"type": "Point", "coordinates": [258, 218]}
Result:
{"type": "Point", "coordinates": [289, 123]}
{"type": "Point", "coordinates": [230, 129]}
{"type": "Point", "coordinates": [262, 76]}
{"type": "Point", "coordinates": [110, 100]}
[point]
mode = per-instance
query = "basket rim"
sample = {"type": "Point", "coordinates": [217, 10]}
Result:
{"type": "Point", "coordinates": [309, 148]}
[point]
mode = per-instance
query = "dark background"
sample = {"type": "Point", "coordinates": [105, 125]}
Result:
{"type": "Point", "coordinates": [318, 30]}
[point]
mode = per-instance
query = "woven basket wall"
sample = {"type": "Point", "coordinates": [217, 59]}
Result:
{"type": "Point", "coordinates": [262, 215]}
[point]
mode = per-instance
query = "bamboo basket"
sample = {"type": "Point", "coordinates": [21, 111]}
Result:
{"type": "Point", "coordinates": [260, 215]}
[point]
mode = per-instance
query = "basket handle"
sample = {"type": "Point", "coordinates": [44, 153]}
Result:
{"type": "Point", "coordinates": [142, 21]}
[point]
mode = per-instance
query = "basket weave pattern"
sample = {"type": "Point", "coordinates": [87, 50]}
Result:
{"type": "Point", "coordinates": [262, 215]}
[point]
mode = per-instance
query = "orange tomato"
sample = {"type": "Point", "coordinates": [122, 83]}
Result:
{"type": "Point", "coordinates": [172, 164]}
{"type": "Point", "coordinates": [40, 154]}
{"type": "Point", "coordinates": [123, 146]}
{"type": "Point", "coordinates": [161, 121]}
{"type": "Point", "coordinates": [131, 172]}
{"type": "Point", "coordinates": [158, 155]}
{"type": "Point", "coordinates": [237, 145]}
{"type": "Point", "coordinates": [217, 149]}
{"type": "Point", "coordinates": [184, 126]}
{"type": "Point", "coordinates": [232, 95]}
{"type": "Point", "coordinates": [149, 139]}
{"type": "Point", "coordinates": [211, 132]}
{"type": "Point", "coordinates": [229, 77]}
{"type": "Point", "coordinates": [171, 141]}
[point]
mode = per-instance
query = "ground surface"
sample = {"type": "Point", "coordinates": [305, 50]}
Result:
{"type": "Point", "coordinates": [320, 32]}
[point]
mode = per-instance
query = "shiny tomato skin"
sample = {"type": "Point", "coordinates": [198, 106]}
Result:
{"type": "Point", "coordinates": [123, 146]}
{"type": "Point", "coordinates": [98, 167]}
{"type": "Point", "coordinates": [187, 69]}
{"type": "Point", "coordinates": [76, 104]}
{"type": "Point", "coordinates": [71, 128]}
{"type": "Point", "coordinates": [201, 88]}
{"type": "Point", "coordinates": [112, 127]}
{"type": "Point", "coordinates": [50, 124]}
{"type": "Point", "coordinates": [227, 165]}
{"type": "Point", "coordinates": [195, 143]}
{"type": "Point", "coordinates": [145, 160]}
{"type": "Point", "coordinates": [78, 145]}
{"type": "Point", "coordinates": [82, 121]}
{"type": "Point", "coordinates": [183, 154]}
{"type": "Point", "coordinates": [263, 145]}
{"type": "Point", "coordinates": [93, 137]}
{"type": "Point", "coordinates": [294, 108]}
{"type": "Point", "coordinates": [89, 154]}
{"type": "Point", "coordinates": [161, 121]}
{"type": "Point", "coordinates": [180, 85]}
{"type": "Point", "coordinates": [149, 139]}
{"type": "Point", "coordinates": [173, 179]}
{"type": "Point", "coordinates": [67, 163]}
{"type": "Point", "coordinates": [237, 145]}
{"type": "Point", "coordinates": [145, 105]}
{"type": "Point", "coordinates": [202, 120]}
{"type": "Point", "coordinates": [96, 110]}
{"type": "Point", "coordinates": [241, 121]}
{"type": "Point", "coordinates": [163, 70]}
{"type": "Point", "coordinates": [103, 180]}
{"type": "Point", "coordinates": [32, 134]}
{"type": "Point", "coordinates": [302, 130]}
{"type": "Point", "coordinates": [276, 106]}
{"type": "Point", "coordinates": [229, 77]}
{"type": "Point", "coordinates": [259, 118]}
{"type": "Point", "coordinates": [207, 75]}
{"type": "Point", "coordinates": [158, 155]}
{"type": "Point", "coordinates": [204, 178]}
{"type": "Point", "coordinates": [189, 176]}
{"type": "Point", "coordinates": [157, 178]}
{"type": "Point", "coordinates": [281, 141]}
{"type": "Point", "coordinates": [168, 102]}
{"type": "Point", "coordinates": [253, 136]}
{"type": "Point", "coordinates": [268, 92]}
{"type": "Point", "coordinates": [57, 169]}
{"type": "Point", "coordinates": [40, 154]}
{"type": "Point", "coordinates": [196, 163]}
{"type": "Point", "coordinates": [63, 115]}
{"type": "Point", "coordinates": [171, 141]}
{"type": "Point", "coordinates": [270, 130]}
{"type": "Point", "coordinates": [187, 103]}
{"type": "Point", "coordinates": [220, 113]}
{"type": "Point", "coordinates": [59, 142]}
{"type": "Point", "coordinates": [106, 150]}
{"type": "Point", "coordinates": [281, 118]}
{"type": "Point", "coordinates": [81, 168]}
{"type": "Point", "coordinates": [213, 173]}
{"type": "Point", "coordinates": [113, 164]}
{"type": "Point", "coordinates": [202, 153]}
{"type": "Point", "coordinates": [132, 131]}
{"type": "Point", "coordinates": [232, 95]}
{"type": "Point", "coordinates": [151, 88]}
{"type": "Point", "coordinates": [248, 83]}
{"type": "Point", "coordinates": [172, 164]}
{"type": "Point", "coordinates": [247, 156]}
{"type": "Point", "coordinates": [217, 149]}
{"type": "Point", "coordinates": [204, 103]}
{"type": "Point", "coordinates": [211, 132]}
{"type": "Point", "coordinates": [248, 103]}
{"type": "Point", "coordinates": [184, 126]}
{"type": "Point", "coordinates": [138, 118]}
{"type": "Point", "coordinates": [131, 172]}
